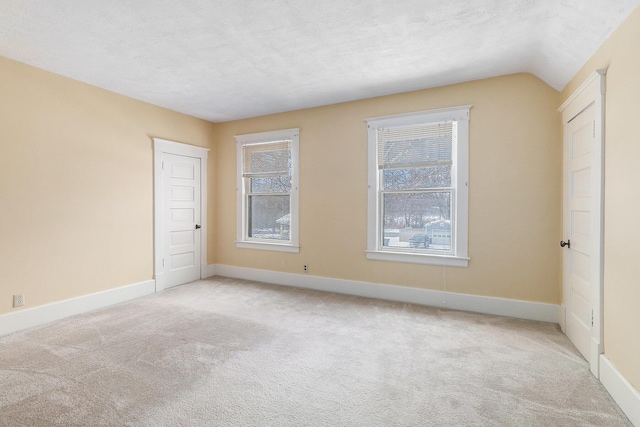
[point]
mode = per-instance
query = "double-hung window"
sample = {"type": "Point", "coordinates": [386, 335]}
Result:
{"type": "Point", "coordinates": [267, 187]}
{"type": "Point", "coordinates": [418, 187]}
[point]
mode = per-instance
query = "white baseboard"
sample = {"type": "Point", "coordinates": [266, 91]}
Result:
{"type": "Point", "coordinates": [209, 271]}
{"type": "Point", "coordinates": [488, 305]}
{"type": "Point", "coordinates": [625, 395]}
{"type": "Point", "coordinates": [36, 316]}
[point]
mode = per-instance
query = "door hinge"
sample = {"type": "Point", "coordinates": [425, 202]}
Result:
{"type": "Point", "coordinates": [163, 267]}
{"type": "Point", "coordinates": [594, 129]}
{"type": "Point", "coordinates": [592, 318]}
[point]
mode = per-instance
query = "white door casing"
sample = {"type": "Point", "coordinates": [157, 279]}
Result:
{"type": "Point", "coordinates": [180, 191]}
{"type": "Point", "coordinates": [583, 162]}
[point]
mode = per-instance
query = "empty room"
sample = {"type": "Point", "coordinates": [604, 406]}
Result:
{"type": "Point", "coordinates": [365, 213]}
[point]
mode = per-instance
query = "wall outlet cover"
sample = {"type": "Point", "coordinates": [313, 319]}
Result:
{"type": "Point", "coordinates": [18, 300]}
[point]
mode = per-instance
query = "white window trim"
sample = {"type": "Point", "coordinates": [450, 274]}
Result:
{"type": "Point", "coordinates": [460, 177]}
{"type": "Point", "coordinates": [293, 245]}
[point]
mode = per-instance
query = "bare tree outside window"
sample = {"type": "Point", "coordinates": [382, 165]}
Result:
{"type": "Point", "coordinates": [416, 186]}
{"type": "Point", "coordinates": [268, 172]}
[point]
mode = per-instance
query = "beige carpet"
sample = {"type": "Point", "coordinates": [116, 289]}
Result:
{"type": "Point", "coordinates": [223, 352]}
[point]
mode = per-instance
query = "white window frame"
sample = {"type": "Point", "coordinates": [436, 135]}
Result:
{"type": "Point", "coordinates": [458, 257]}
{"type": "Point", "coordinates": [242, 240]}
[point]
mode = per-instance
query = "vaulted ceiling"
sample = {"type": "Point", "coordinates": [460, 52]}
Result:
{"type": "Point", "coordinates": [228, 59]}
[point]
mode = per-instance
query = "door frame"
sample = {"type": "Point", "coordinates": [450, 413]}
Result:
{"type": "Point", "coordinates": [160, 147]}
{"type": "Point", "coordinates": [592, 91]}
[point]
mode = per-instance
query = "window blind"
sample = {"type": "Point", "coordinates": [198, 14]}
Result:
{"type": "Point", "coordinates": [415, 146]}
{"type": "Point", "coordinates": [266, 159]}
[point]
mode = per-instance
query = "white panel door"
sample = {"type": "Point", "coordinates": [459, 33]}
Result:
{"type": "Point", "coordinates": [580, 280]}
{"type": "Point", "coordinates": [583, 121]}
{"type": "Point", "coordinates": [181, 212]}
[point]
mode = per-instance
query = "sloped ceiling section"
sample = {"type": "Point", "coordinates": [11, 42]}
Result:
{"type": "Point", "coordinates": [229, 59]}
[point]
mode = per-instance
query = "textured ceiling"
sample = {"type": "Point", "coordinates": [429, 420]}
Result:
{"type": "Point", "coordinates": [228, 59]}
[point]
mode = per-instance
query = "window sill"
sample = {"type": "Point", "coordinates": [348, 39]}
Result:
{"type": "Point", "coordinates": [267, 246]}
{"type": "Point", "coordinates": [429, 259]}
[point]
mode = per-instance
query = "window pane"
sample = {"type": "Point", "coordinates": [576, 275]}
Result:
{"type": "Point", "coordinates": [272, 157]}
{"type": "Point", "coordinates": [413, 146]}
{"type": "Point", "coordinates": [269, 217]}
{"type": "Point", "coordinates": [417, 178]}
{"type": "Point", "coordinates": [272, 184]}
{"type": "Point", "coordinates": [417, 220]}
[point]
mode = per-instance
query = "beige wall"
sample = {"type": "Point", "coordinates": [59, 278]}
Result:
{"type": "Point", "coordinates": [76, 185]}
{"type": "Point", "coordinates": [515, 191]}
{"type": "Point", "coordinates": [621, 55]}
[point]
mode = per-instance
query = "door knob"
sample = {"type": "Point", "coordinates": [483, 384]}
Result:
{"type": "Point", "coordinates": [567, 244]}
{"type": "Point", "coordinates": [198, 226]}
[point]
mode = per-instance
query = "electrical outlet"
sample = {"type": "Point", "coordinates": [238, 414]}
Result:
{"type": "Point", "coordinates": [18, 300]}
{"type": "Point", "coordinates": [305, 268]}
